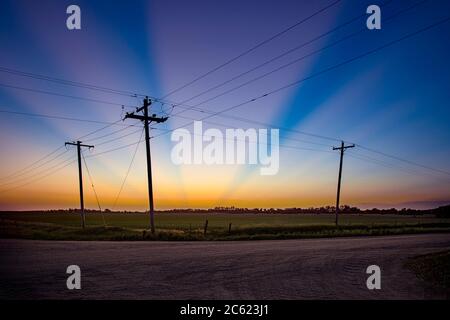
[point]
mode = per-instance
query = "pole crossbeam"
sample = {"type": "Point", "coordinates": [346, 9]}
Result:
{"type": "Point", "coordinates": [80, 176]}
{"type": "Point", "coordinates": [152, 118]}
{"type": "Point", "coordinates": [147, 119]}
{"type": "Point", "coordinates": [342, 148]}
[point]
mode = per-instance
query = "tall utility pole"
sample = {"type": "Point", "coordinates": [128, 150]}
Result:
{"type": "Point", "coordinates": [80, 176]}
{"type": "Point", "coordinates": [342, 148]}
{"type": "Point", "coordinates": [146, 119]}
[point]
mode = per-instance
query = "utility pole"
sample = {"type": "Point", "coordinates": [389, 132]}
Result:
{"type": "Point", "coordinates": [342, 148]}
{"type": "Point", "coordinates": [146, 119]}
{"type": "Point", "coordinates": [80, 176]}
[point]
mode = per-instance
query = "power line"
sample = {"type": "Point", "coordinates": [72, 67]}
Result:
{"type": "Point", "coordinates": [128, 171]}
{"type": "Point", "coordinates": [331, 68]}
{"type": "Point", "coordinates": [21, 179]}
{"type": "Point", "coordinates": [117, 122]}
{"type": "Point", "coordinates": [74, 84]}
{"type": "Point", "coordinates": [53, 170]}
{"type": "Point", "coordinates": [100, 129]}
{"type": "Point", "coordinates": [227, 126]}
{"type": "Point", "coordinates": [348, 22]}
{"type": "Point", "coordinates": [32, 168]}
{"type": "Point", "coordinates": [195, 107]}
{"type": "Point", "coordinates": [407, 36]}
{"type": "Point", "coordinates": [366, 158]}
{"type": "Point", "coordinates": [61, 117]}
{"type": "Point", "coordinates": [69, 82]}
{"type": "Point", "coordinates": [56, 117]}
{"type": "Point", "coordinates": [297, 60]}
{"type": "Point", "coordinates": [93, 188]}
{"type": "Point", "coordinates": [115, 139]}
{"type": "Point", "coordinates": [389, 165]}
{"type": "Point", "coordinates": [403, 160]}
{"type": "Point", "coordinates": [78, 120]}
{"type": "Point", "coordinates": [134, 94]}
{"type": "Point", "coordinates": [274, 126]}
{"type": "Point", "coordinates": [48, 78]}
{"type": "Point", "coordinates": [367, 53]}
{"type": "Point", "coordinates": [242, 119]}
{"type": "Point", "coordinates": [32, 164]}
{"type": "Point", "coordinates": [256, 142]}
{"type": "Point", "coordinates": [119, 148]}
{"type": "Point", "coordinates": [297, 148]}
{"type": "Point", "coordinates": [303, 20]}
{"type": "Point", "coordinates": [109, 124]}
{"type": "Point", "coordinates": [170, 130]}
{"type": "Point", "coordinates": [112, 150]}
{"type": "Point", "coordinates": [110, 134]}
{"type": "Point", "coordinates": [129, 126]}
{"type": "Point", "coordinates": [210, 112]}
{"type": "Point", "coordinates": [370, 53]}
{"type": "Point", "coordinates": [14, 179]}
{"type": "Point", "coordinates": [66, 95]}
{"type": "Point", "coordinates": [380, 162]}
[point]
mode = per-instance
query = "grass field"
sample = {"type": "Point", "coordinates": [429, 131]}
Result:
{"type": "Point", "coordinates": [182, 226]}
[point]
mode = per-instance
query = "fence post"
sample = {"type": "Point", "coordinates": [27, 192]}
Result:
{"type": "Point", "coordinates": [229, 228]}
{"type": "Point", "coordinates": [206, 227]}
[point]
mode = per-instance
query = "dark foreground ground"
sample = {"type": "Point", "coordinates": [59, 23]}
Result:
{"type": "Point", "coordinates": [286, 269]}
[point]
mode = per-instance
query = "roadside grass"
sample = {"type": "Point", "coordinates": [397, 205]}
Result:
{"type": "Point", "coordinates": [326, 231]}
{"type": "Point", "coordinates": [51, 231]}
{"type": "Point", "coordinates": [433, 268]}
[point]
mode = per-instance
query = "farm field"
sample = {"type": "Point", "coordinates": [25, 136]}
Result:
{"type": "Point", "coordinates": [191, 226]}
{"type": "Point", "coordinates": [217, 220]}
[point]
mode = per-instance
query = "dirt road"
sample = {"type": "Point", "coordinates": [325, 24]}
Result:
{"type": "Point", "coordinates": [289, 269]}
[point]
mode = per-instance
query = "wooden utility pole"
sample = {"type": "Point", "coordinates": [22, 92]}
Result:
{"type": "Point", "coordinates": [146, 119]}
{"type": "Point", "coordinates": [80, 176]}
{"type": "Point", "coordinates": [342, 148]}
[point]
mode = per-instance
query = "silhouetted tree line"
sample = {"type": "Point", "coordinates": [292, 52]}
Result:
{"type": "Point", "coordinates": [442, 212]}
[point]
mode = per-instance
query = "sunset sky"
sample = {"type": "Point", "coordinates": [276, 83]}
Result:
{"type": "Point", "coordinates": [394, 101]}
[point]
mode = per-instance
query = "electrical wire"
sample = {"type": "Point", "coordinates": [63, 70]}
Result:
{"type": "Point", "coordinates": [260, 44]}
{"type": "Point", "coordinates": [93, 188]}
{"type": "Point", "coordinates": [285, 53]}
{"type": "Point", "coordinates": [24, 172]}
{"type": "Point", "coordinates": [127, 172]}
{"type": "Point", "coordinates": [323, 71]}
{"type": "Point", "coordinates": [61, 117]}
{"type": "Point", "coordinates": [69, 82]}
{"type": "Point", "coordinates": [31, 164]}
{"type": "Point", "coordinates": [52, 170]}
{"type": "Point", "coordinates": [65, 95]}
{"type": "Point", "coordinates": [297, 60]}
{"type": "Point", "coordinates": [403, 160]}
